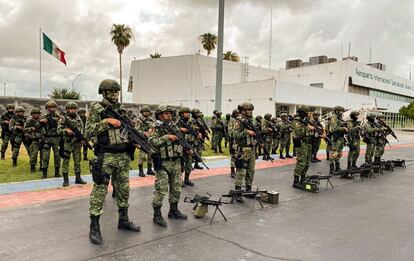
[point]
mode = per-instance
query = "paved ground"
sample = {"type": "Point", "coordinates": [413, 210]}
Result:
{"type": "Point", "coordinates": [369, 220]}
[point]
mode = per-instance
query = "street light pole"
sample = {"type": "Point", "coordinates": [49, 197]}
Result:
{"type": "Point", "coordinates": [73, 81]}
{"type": "Point", "coordinates": [4, 86]}
{"type": "Point", "coordinates": [219, 67]}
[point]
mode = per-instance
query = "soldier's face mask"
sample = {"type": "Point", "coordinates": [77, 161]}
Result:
{"type": "Point", "coordinates": [166, 116]}
{"type": "Point", "coordinates": [71, 112]}
{"type": "Point", "coordinates": [111, 96]}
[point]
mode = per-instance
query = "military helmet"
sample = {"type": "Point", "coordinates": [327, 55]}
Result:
{"type": "Point", "coordinates": [268, 116]}
{"type": "Point", "coordinates": [82, 111]}
{"type": "Point", "coordinates": [71, 105]}
{"type": "Point", "coordinates": [356, 113]}
{"type": "Point", "coordinates": [283, 114]}
{"type": "Point", "coordinates": [145, 108]}
{"type": "Point", "coordinates": [338, 108]}
{"type": "Point", "coordinates": [109, 84]}
{"type": "Point", "coordinates": [51, 104]}
{"type": "Point", "coordinates": [302, 109]}
{"type": "Point", "coordinates": [259, 117]}
{"type": "Point", "coordinates": [183, 109]}
{"type": "Point", "coordinates": [10, 106]}
{"type": "Point", "coordinates": [195, 111]}
{"type": "Point", "coordinates": [19, 109]}
{"type": "Point", "coordinates": [246, 106]}
{"type": "Point", "coordinates": [218, 113]}
{"type": "Point", "coordinates": [370, 115]}
{"type": "Point", "coordinates": [380, 115]}
{"type": "Point", "coordinates": [35, 111]}
{"type": "Point", "coordinates": [228, 115]}
{"type": "Point", "coordinates": [163, 108]}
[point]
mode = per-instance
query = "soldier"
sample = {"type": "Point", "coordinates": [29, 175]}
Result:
{"type": "Point", "coordinates": [316, 139]}
{"type": "Point", "coordinates": [268, 134]}
{"type": "Point", "coordinates": [112, 158]}
{"type": "Point", "coordinates": [71, 145]}
{"type": "Point", "coordinates": [276, 135]}
{"type": "Point", "coordinates": [217, 126]}
{"type": "Point", "coordinates": [82, 115]}
{"type": "Point", "coordinates": [302, 138]}
{"type": "Point", "coordinates": [337, 130]}
{"type": "Point", "coordinates": [381, 139]}
{"type": "Point", "coordinates": [167, 167]}
{"type": "Point", "coordinates": [354, 139]}
{"type": "Point", "coordinates": [370, 132]}
{"type": "Point", "coordinates": [226, 129]}
{"type": "Point", "coordinates": [285, 135]}
{"type": "Point", "coordinates": [245, 145]}
{"type": "Point", "coordinates": [17, 134]}
{"type": "Point", "coordinates": [145, 123]}
{"type": "Point", "coordinates": [5, 131]}
{"type": "Point", "coordinates": [32, 130]}
{"type": "Point", "coordinates": [197, 117]}
{"type": "Point", "coordinates": [258, 125]}
{"type": "Point", "coordinates": [232, 126]}
{"type": "Point", "coordinates": [51, 138]}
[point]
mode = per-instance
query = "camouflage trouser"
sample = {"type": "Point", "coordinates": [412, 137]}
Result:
{"type": "Point", "coordinates": [245, 164]}
{"type": "Point", "coordinates": [34, 150]}
{"type": "Point", "coordinates": [85, 151]}
{"type": "Point", "coordinates": [275, 143]}
{"type": "Point", "coordinates": [285, 143]}
{"type": "Point", "coordinates": [18, 140]}
{"type": "Point", "coordinates": [316, 143]}
{"type": "Point", "coordinates": [168, 177]}
{"type": "Point", "coordinates": [51, 143]}
{"type": "Point", "coordinates": [142, 157]}
{"type": "Point", "coordinates": [303, 157]}
{"type": "Point", "coordinates": [73, 149]}
{"type": "Point", "coordinates": [5, 144]}
{"type": "Point", "coordinates": [188, 161]}
{"type": "Point", "coordinates": [369, 153]}
{"type": "Point", "coordinates": [216, 139]}
{"type": "Point", "coordinates": [268, 143]}
{"type": "Point", "coordinates": [336, 150]}
{"type": "Point", "coordinates": [379, 149]}
{"type": "Point", "coordinates": [354, 148]}
{"type": "Point", "coordinates": [226, 139]}
{"type": "Point", "coordinates": [116, 165]}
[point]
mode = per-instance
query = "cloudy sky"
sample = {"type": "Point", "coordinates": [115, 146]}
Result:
{"type": "Point", "coordinates": [301, 28]}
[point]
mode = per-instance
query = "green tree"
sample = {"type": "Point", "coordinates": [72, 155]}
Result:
{"type": "Point", "coordinates": [155, 55]}
{"type": "Point", "coordinates": [231, 56]}
{"type": "Point", "coordinates": [121, 36]}
{"type": "Point", "coordinates": [408, 111]}
{"type": "Point", "coordinates": [209, 42]}
{"type": "Point", "coordinates": [63, 93]}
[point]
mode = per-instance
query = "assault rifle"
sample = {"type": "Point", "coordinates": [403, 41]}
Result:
{"type": "Point", "coordinates": [249, 125]}
{"type": "Point", "coordinates": [203, 129]}
{"type": "Point", "coordinates": [390, 131]}
{"type": "Point", "coordinates": [320, 131]}
{"type": "Point", "coordinates": [381, 135]}
{"type": "Point", "coordinates": [78, 135]}
{"type": "Point", "coordinates": [206, 201]}
{"type": "Point", "coordinates": [183, 142]}
{"type": "Point", "coordinates": [274, 128]}
{"type": "Point", "coordinates": [189, 128]}
{"type": "Point", "coordinates": [130, 132]}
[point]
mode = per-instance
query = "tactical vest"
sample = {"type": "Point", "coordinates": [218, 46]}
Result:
{"type": "Point", "coordinates": [169, 149]}
{"type": "Point", "coordinates": [33, 134]}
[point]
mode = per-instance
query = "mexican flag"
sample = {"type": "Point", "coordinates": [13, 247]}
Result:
{"type": "Point", "coordinates": [52, 48]}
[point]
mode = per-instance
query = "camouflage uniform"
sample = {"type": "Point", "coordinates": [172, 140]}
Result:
{"type": "Point", "coordinates": [276, 136]}
{"type": "Point", "coordinates": [16, 129]}
{"type": "Point", "coordinates": [32, 129]}
{"type": "Point", "coordinates": [302, 139]}
{"type": "Point", "coordinates": [82, 115]}
{"type": "Point", "coordinates": [51, 138]}
{"type": "Point", "coordinates": [226, 130]}
{"type": "Point", "coordinates": [71, 145]}
{"type": "Point", "coordinates": [197, 118]}
{"type": "Point", "coordinates": [5, 132]}
{"type": "Point", "coordinates": [217, 126]}
{"type": "Point", "coordinates": [267, 133]}
{"type": "Point", "coordinates": [370, 132]}
{"type": "Point", "coordinates": [232, 126]}
{"type": "Point", "coordinates": [354, 128]}
{"type": "Point", "coordinates": [316, 139]}
{"type": "Point", "coordinates": [145, 124]}
{"type": "Point", "coordinates": [167, 168]}
{"type": "Point", "coordinates": [258, 126]}
{"type": "Point", "coordinates": [337, 132]}
{"type": "Point", "coordinates": [381, 139]}
{"type": "Point", "coordinates": [285, 131]}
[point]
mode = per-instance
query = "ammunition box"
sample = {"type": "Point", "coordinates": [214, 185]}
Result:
{"type": "Point", "coordinates": [271, 197]}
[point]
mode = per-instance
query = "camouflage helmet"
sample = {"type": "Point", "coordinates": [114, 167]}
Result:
{"type": "Point", "coordinates": [338, 108]}
{"type": "Point", "coordinates": [145, 108]}
{"type": "Point", "coordinates": [228, 115]}
{"type": "Point", "coordinates": [163, 108]}
{"type": "Point", "coordinates": [19, 109]}
{"type": "Point", "coordinates": [283, 114]}
{"type": "Point", "coordinates": [71, 105]}
{"type": "Point", "coordinates": [218, 113]}
{"type": "Point", "coordinates": [259, 117]}
{"type": "Point", "coordinates": [380, 115]}
{"type": "Point", "coordinates": [10, 106]}
{"type": "Point", "coordinates": [268, 116]}
{"type": "Point", "coordinates": [35, 111]}
{"type": "Point", "coordinates": [371, 115]}
{"type": "Point", "coordinates": [51, 104]}
{"type": "Point", "coordinates": [195, 111]}
{"type": "Point", "coordinates": [183, 109]}
{"type": "Point", "coordinates": [246, 106]}
{"type": "Point", "coordinates": [302, 109]}
{"type": "Point", "coordinates": [109, 84]}
{"type": "Point", "coordinates": [82, 111]}
{"type": "Point", "coordinates": [354, 113]}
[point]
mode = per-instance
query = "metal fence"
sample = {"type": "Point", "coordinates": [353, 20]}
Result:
{"type": "Point", "coordinates": [395, 120]}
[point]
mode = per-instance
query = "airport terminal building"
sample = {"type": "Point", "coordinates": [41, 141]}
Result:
{"type": "Point", "coordinates": [321, 83]}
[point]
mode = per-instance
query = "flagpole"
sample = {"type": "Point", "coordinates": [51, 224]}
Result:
{"type": "Point", "coordinates": [40, 62]}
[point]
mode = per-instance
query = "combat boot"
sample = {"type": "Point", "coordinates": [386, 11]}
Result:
{"type": "Point", "coordinates": [197, 166]}
{"type": "Point", "coordinates": [65, 179]}
{"type": "Point", "coordinates": [113, 191]}
{"type": "Point", "coordinates": [141, 170]}
{"type": "Point", "coordinates": [354, 165]}
{"type": "Point", "coordinates": [233, 172]}
{"type": "Point", "coordinates": [317, 160]}
{"type": "Point", "coordinates": [338, 167]}
{"type": "Point", "coordinates": [377, 160]}
{"type": "Point", "coordinates": [158, 219]}
{"type": "Point", "coordinates": [187, 180]}
{"type": "Point", "coordinates": [174, 213]}
{"type": "Point", "coordinates": [95, 231]}
{"type": "Point", "coordinates": [331, 168]}
{"type": "Point", "coordinates": [238, 198]}
{"type": "Point", "coordinates": [124, 223]}
{"type": "Point", "coordinates": [78, 179]}
{"type": "Point", "coordinates": [288, 155]}
{"type": "Point", "coordinates": [265, 157]}
{"type": "Point", "coordinates": [3, 155]}
{"type": "Point", "coordinates": [44, 173]}
{"type": "Point", "coordinates": [57, 175]}
{"type": "Point", "coordinates": [220, 150]}
{"type": "Point", "coordinates": [149, 170]}
{"type": "Point", "coordinates": [85, 157]}
{"type": "Point", "coordinates": [215, 150]}
{"type": "Point", "coordinates": [32, 168]}
{"type": "Point", "coordinates": [349, 166]}
{"type": "Point", "coordinates": [327, 155]}
{"type": "Point", "coordinates": [281, 156]}
{"type": "Point", "coordinates": [296, 183]}
{"type": "Point", "coordinates": [273, 151]}
{"type": "Point", "coordinates": [14, 162]}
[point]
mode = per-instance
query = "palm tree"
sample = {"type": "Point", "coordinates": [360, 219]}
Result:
{"type": "Point", "coordinates": [155, 55]}
{"type": "Point", "coordinates": [121, 35]}
{"type": "Point", "coordinates": [209, 42]}
{"type": "Point", "coordinates": [63, 93]}
{"type": "Point", "coordinates": [231, 56]}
